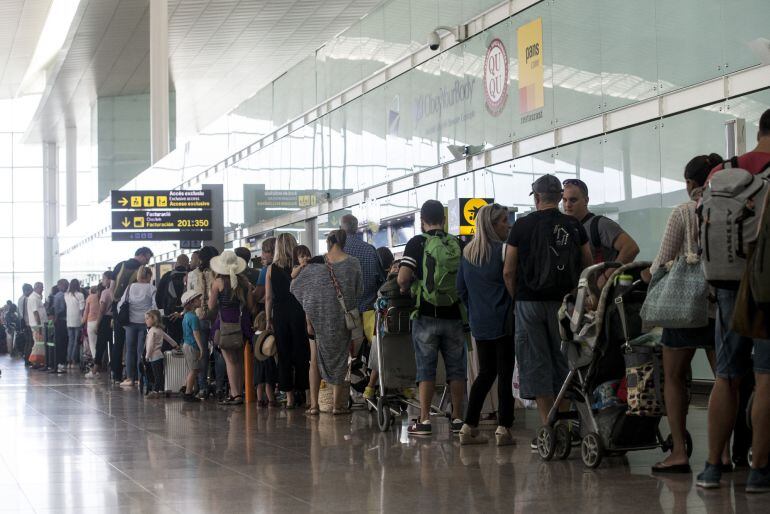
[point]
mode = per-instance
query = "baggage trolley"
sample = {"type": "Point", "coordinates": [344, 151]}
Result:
{"type": "Point", "coordinates": [398, 371]}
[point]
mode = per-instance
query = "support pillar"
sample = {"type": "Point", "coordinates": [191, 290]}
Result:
{"type": "Point", "coordinates": [71, 135]}
{"type": "Point", "coordinates": [50, 215]}
{"type": "Point", "coordinates": [159, 124]}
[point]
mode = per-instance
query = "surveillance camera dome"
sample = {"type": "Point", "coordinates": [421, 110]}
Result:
{"type": "Point", "coordinates": [434, 42]}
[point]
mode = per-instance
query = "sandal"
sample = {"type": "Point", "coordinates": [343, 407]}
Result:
{"type": "Point", "coordinates": [313, 411]}
{"type": "Point", "coordinates": [236, 400]}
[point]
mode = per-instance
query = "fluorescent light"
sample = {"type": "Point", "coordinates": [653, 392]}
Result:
{"type": "Point", "coordinates": [55, 30]}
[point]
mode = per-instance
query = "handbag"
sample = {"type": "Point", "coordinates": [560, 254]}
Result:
{"type": "Point", "coordinates": [124, 313]}
{"type": "Point", "coordinates": [230, 334]}
{"type": "Point", "coordinates": [678, 297]}
{"type": "Point", "coordinates": [352, 316]}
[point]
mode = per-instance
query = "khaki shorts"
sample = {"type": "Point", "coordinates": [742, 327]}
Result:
{"type": "Point", "coordinates": [192, 357]}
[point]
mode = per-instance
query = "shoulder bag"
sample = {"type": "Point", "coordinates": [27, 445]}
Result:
{"type": "Point", "coordinates": [678, 292]}
{"type": "Point", "coordinates": [124, 313]}
{"type": "Point", "coordinates": [230, 335]}
{"type": "Point", "coordinates": [352, 316]}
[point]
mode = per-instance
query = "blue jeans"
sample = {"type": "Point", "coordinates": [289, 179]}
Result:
{"type": "Point", "coordinates": [136, 333]}
{"type": "Point", "coordinates": [431, 335]}
{"type": "Point", "coordinates": [734, 357]}
{"type": "Point", "coordinates": [72, 346]}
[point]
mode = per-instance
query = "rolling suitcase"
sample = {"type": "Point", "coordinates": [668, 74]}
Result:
{"type": "Point", "coordinates": [175, 371]}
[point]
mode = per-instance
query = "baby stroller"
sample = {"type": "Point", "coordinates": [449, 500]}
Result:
{"type": "Point", "coordinates": [615, 380]}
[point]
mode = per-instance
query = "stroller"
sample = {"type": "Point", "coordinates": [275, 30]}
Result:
{"type": "Point", "coordinates": [615, 378]}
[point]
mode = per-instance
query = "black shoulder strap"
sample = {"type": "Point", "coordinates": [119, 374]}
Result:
{"type": "Point", "coordinates": [593, 229]}
{"type": "Point", "coordinates": [732, 163]}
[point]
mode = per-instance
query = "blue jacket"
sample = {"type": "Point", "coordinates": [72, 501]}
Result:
{"type": "Point", "coordinates": [483, 292]}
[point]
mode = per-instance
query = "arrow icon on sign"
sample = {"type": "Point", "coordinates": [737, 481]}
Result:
{"type": "Point", "coordinates": [123, 201]}
{"type": "Point", "coordinates": [126, 223]}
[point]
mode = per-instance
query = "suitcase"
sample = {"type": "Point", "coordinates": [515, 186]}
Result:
{"type": "Point", "coordinates": [175, 370]}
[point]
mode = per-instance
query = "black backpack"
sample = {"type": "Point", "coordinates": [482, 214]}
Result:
{"type": "Point", "coordinates": [172, 299]}
{"type": "Point", "coordinates": [555, 260]}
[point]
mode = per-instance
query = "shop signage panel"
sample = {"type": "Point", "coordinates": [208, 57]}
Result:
{"type": "Point", "coordinates": [530, 52]}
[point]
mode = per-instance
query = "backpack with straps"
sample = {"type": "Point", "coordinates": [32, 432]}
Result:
{"type": "Point", "coordinates": [176, 286]}
{"type": "Point", "coordinates": [440, 263]}
{"type": "Point", "coordinates": [759, 266]}
{"type": "Point", "coordinates": [555, 260]}
{"type": "Point", "coordinates": [730, 214]}
{"type": "Point", "coordinates": [596, 238]}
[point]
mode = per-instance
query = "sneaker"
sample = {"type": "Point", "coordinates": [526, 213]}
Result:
{"type": "Point", "coordinates": [190, 398]}
{"type": "Point", "coordinates": [152, 395]}
{"type": "Point", "coordinates": [710, 476]}
{"type": "Point", "coordinates": [419, 428]}
{"type": "Point", "coordinates": [61, 369]}
{"type": "Point", "coordinates": [759, 480]}
{"type": "Point", "coordinates": [470, 435]}
{"type": "Point", "coordinates": [369, 393]}
{"type": "Point", "coordinates": [90, 374]}
{"type": "Point", "coordinates": [533, 444]}
{"type": "Point", "coordinates": [456, 425]}
{"type": "Point", "coordinates": [202, 395]}
{"type": "Point", "coordinates": [503, 436]}
{"type": "Point", "coordinates": [127, 383]}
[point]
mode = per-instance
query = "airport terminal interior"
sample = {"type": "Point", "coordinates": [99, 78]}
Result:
{"type": "Point", "coordinates": [191, 173]}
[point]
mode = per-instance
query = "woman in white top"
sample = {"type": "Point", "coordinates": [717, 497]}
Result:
{"type": "Point", "coordinates": [141, 298]}
{"type": "Point", "coordinates": [75, 302]}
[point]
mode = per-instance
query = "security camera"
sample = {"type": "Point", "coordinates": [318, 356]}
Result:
{"type": "Point", "coordinates": [434, 42]}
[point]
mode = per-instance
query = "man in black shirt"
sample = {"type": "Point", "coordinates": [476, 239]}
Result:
{"type": "Point", "coordinates": [438, 327]}
{"type": "Point", "coordinates": [546, 253]}
{"type": "Point", "coordinates": [168, 296]}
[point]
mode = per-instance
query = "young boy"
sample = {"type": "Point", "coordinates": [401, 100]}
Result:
{"type": "Point", "coordinates": [192, 341]}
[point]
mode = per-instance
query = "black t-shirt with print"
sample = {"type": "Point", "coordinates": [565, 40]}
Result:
{"type": "Point", "coordinates": [520, 237]}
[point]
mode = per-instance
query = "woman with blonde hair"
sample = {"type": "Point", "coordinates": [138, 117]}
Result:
{"type": "Point", "coordinates": [490, 313]}
{"type": "Point", "coordinates": [141, 298]}
{"type": "Point", "coordinates": [286, 319]}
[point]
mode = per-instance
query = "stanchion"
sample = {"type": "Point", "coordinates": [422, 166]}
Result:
{"type": "Point", "coordinates": [248, 371]}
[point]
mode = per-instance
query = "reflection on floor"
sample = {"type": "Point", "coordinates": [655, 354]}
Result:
{"type": "Point", "coordinates": [76, 446]}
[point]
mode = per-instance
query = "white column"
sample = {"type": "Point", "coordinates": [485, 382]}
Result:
{"type": "Point", "coordinates": [159, 130]}
{"type": "Point", "coordinates": [50, 215]}
{"type": "Point", "coordinates": [71, 135]}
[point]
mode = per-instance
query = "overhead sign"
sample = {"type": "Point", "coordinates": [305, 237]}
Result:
{"type": "Point", "coordinates": [531, 88]}
{"type": "Point", "coordinates": [174, 199]}
{"type": "Point", "coordinates": [175, 215]}
{"type": "Point", "coordinates": [462, 214]}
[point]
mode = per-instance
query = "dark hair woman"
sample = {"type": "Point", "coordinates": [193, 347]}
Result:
{"type": "Point", "coordinates": [76, 303]}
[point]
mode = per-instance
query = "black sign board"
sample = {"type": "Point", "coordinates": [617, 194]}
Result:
{"type": "Point", "coordinates": [175, 215]}
{"type": "Point", "coordinates": [161, 220]}
{"type": "Point", "coordinates": [174, 199]}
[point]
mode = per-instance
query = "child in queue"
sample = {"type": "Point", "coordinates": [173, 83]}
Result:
{"type": "Point", "coordinates": [154, 351]}
{"type": "Point", "coordinates": [192, 341]}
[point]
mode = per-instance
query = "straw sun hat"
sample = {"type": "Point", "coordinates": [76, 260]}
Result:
{"type": "Point", "coordinates": [228, 264]}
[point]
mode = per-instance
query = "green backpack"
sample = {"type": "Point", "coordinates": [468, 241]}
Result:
{"type": "Point", "coordinates": [440, 263]}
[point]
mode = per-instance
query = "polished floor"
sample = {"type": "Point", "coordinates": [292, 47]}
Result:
{"type": "Point", "coordinates": [68, 445]}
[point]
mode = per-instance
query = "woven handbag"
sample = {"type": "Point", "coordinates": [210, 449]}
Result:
{"type": "Point", "coordinates": [678, 293]}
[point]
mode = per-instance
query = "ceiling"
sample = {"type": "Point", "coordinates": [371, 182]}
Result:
{"type": "Point", "coordinates": [221, 53]}
{"type": "Point", "coordinates": [20, 24]}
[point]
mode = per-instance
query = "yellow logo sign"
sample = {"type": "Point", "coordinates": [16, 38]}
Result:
{"type": "Point", "coordinates": [470, 208]}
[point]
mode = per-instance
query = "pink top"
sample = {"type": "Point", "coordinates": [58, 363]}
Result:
{"type": "Point", "coordinates": [92, 308]}
{"type": "Point", "coordinates": [154, 343]}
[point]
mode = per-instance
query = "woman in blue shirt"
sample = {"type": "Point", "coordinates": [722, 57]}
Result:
{"type": "Point", "coordinates": [490, 313]}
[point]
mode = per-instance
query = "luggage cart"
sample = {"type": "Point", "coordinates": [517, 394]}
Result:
{"type": "Point", "coordinates": [397, 372]}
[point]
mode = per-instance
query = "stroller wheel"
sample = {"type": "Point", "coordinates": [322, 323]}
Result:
{"type": "Point", "coordinates": [546, 442]}
{"type": "Point", "coordinates": [563, 440]}
{"type": "Point", "coordinates": [591, 450]}
{"type": "Point", "coordinates": [384, 416]}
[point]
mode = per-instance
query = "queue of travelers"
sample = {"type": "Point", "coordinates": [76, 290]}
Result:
{"type": "Point", "coordinates": [504, 286]}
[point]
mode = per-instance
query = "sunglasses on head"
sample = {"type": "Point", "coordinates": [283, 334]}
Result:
{"type": "Point", "coordinates": [577, 183]}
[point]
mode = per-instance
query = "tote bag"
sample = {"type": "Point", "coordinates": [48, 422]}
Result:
{"type": "Point", "coordinates": [678, 293]}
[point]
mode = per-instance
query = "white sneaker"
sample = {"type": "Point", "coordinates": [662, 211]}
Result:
{"type": "Point", "coordinates": [127, 383]}
{"type": "Point", "coordinates": [90, 374]}
{"type": "Point", "coordinates": [61, 368]}
{"type": "Point", "coordinates": [503, 436]}
{"type": "Point", "coordinates": [470, 435]}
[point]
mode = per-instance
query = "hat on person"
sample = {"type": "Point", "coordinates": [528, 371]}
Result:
{"type": "Point", "coordinates": [264, 346]}
{"type": "Point", "coordinates": [260, 322]}
{"type": "Point", "coordinates": [546, 184]}
{"type": "Point", "coordinates": [227, 263]}
{"type": "Point", "coordinates": [189, 296]}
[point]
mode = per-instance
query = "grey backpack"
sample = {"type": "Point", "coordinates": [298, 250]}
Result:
{"type": "Point", "coordinates": [759, 266]}
{"type": "Point", "coordinates": [730, 214]}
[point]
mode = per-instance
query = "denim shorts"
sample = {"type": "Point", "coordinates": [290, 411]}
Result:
{"type": "Point", "coordinates": [734, 358]}
{"type": "Point", "coordinates": [542, 366]}
{"type": "Point", "coordinates": [431, 335]}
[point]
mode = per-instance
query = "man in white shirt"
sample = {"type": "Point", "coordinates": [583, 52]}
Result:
{"type": "Point", "coordinates": [36, 312]}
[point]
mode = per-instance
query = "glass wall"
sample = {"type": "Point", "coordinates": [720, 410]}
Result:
{"type": "Point", "coordinates": [21, 215]}
{"type": "Point", "coordinates": [596, 56]}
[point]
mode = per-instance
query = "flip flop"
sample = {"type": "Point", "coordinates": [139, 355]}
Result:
{"type": "Point", "coordinates": [673, 468]}
{"type": "Point", "coordinates": [313, 411]}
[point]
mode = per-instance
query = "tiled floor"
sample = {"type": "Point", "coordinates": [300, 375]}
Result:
{"type": "Point", "coordinates": [74, 446]}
